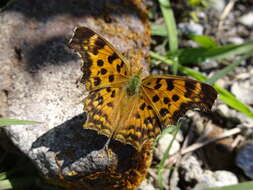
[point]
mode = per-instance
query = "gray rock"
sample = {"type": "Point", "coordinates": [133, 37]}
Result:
{"type": "Point", "coordinates": [217, 5]}
{"type": "Point", "coordinates": [244, 159]}
{"type": "Point", "coordinates": [146, 185]}
{"type": "Point", "coordinates": [191, 28]}
{"type": "Point", "coordinates": [235, 40]}
{"type": "Point", "coordinates": [247, 19]}
{"type": "Point", "coordinates": [209, 64]}
{"type": "Point", "coordinates": [192, 167]}
{"type": "Point", "coordinates": [216, 179]}
{"type": "Point", "coordinates": [224, 110]}
{"type": "Point", "coordinates": [163, 144]}
{"type": "Point", "coordinates": [206, 178]}
{"type": "Point", "coordinates": [243, 90]}
{"type": "Point", "coordinates": [234, 116]}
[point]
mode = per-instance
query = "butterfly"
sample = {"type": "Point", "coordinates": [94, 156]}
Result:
{"type": "Point", "coordinates": [124, 102]}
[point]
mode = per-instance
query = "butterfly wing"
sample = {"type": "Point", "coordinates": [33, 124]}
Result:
{"type": "Point", "coordinates": [137, 122]}
{"type": "Point", "coordinates": [105, 72]}
{"type": "Point", "coordinates": [102, 65]}
{"type": "Point", "coordinates": [100, 106]}
{"type": "Point", "coordinates": [172, 96]}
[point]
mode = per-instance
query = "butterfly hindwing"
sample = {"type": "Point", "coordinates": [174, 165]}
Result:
{"type": "Point", "coordinates": [102, 64]}
{"type": "Point", "coordinates": [141, 125]}
{"type": "Point", "coordinates": [172, 96]}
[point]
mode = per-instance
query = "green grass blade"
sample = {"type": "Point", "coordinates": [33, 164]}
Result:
{"type": "Point", "coordinates": [197, 55]}
{"type": "Point", "coordinates": [224, 95]}
{"type": "Point", "coordinates": [203, 41]}
{"type": "Point", "coordinates": [170, 24]}
{"type": "Point", "coordinates": [3, 176]}
{"type": "Point", "coordinates": [241, 186]}
{"type": "Point", "coordinates": [159, 30]}
{"type": "Point", "coordinates": [5, 184]}
{"type": "Point", "coordinates": [227, 69]}
{"type": "Point", "coordinates": [171, 30]}
{"type": "Point", "coordinates": [233, 102]}
{"type": "Point", "coordinates": [4, 122]}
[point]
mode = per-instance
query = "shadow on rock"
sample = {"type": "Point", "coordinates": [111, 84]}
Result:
{"type": "Point", "coordinates": [70, 141]}
{"type": "Point", "coordinates": [52, 51]}
{"type": "Point", "coordinates": [44, 10]}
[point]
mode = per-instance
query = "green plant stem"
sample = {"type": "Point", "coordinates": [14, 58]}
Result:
{"type": "Point", "coordinates": [171, 29]}
{"type": "Point", "coordinates": [165, 156]}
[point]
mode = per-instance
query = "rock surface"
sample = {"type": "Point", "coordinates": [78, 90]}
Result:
{"type": "Point", "coordinates": [38, 78]}
{"type": "Point", "coordinates": [206, 178]}
{"type": "Point", "coordinates": [163, 144]}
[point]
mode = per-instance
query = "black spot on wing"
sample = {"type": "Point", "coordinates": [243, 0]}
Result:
{"type": "Point", "coordinates": [166, 100]}
{"type": "Point", "coordinates": [163, 111]}
{"type": "Point", "coordinates": [175, 97]}
{"type": "Point", "coordinates": [99, 43]}
{"type": "Point", "coordinates": [155, 98]}
{"type": "Point", "coordinates": [157, 86]}
{"type": "Point", "coordinates": [149, 107]}
{"type": "Point", "coordinates": [189, 86]}
{"type": "Point", "coordinates": [113, 93]}
{"type": "Point", "coordinates": [148, 120]}
{"type": "Point", "coordinates": [97, 81]}
{"type": "Point", "coordinates": [100, 99]}
{"type": "Point", "coordinates": [170, 85]}
{"type": "Point", "coordinates": [100, 62]}
{"type": "Point", "coordinates": [142, 106]}
{"type": "Point", "coordinates": [118, 68]}
{"type": "Point", "coordinates": [103, 71]}
{"type": "Point", "coordinates": [110, 104]}
{"type": "Point", "coordinates": [111, 78]}
{"type": "Point", "coordinates": [93, 50]}
{"type": "Point", "coordinates": [112, 57]}
{"type": "Point", "coordinates": [108, 89]}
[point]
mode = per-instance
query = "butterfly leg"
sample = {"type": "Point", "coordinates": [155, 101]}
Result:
{"type": "Point", "coordinates": [57, 161]}
{"type": "Point", "coordinates": [107, 150]}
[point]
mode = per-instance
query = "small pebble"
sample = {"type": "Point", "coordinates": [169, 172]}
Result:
{"type": "Point", "coordinates": [191, 28]}
{"type": "Point", "coordinates": [163, 143]}
{"type": "Point", "coordinates": [244, 159]}
{"type": "Point", "coordinates": [247, 19]}
{"type": "Point", "coordinates": [217, 5]}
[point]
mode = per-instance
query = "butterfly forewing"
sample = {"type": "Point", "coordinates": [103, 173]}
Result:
{"type": "Point", "coordinates": [102, 66]}
{"type": "Point", "coordinates": [172, 96]}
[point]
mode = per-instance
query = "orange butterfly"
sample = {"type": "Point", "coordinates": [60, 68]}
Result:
{"type": "Point", "coordinates": [123, 102]}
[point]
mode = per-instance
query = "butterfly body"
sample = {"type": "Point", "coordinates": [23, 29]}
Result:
{"type": "Point", "coordinates": [133, 86]}
{"type": "Point", "coordinates": [125, 103]}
